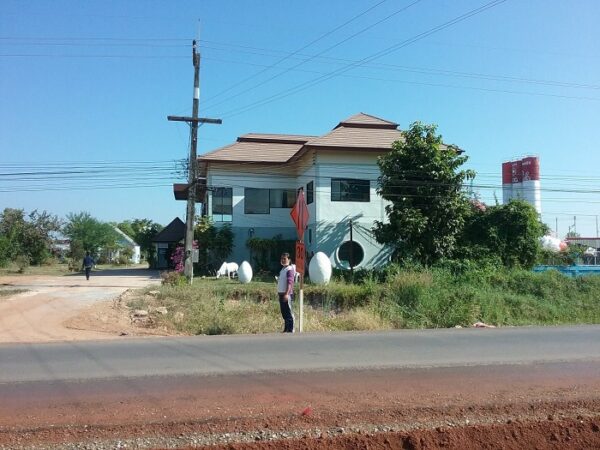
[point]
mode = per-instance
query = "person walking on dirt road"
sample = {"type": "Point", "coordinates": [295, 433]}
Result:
{"type": "Point", "coordinates": [88, 263]}
{"type": "Point", "coordinates": [285, 291]}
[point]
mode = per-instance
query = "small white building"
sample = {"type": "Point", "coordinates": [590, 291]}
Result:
{"type": "Point", "coordinates": [125, 241]}
{"type": "Point", "coordinates": [252, 184]}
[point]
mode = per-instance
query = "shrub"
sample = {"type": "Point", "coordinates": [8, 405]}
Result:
{"type": "Point", "coordinates": [172, 278]}
{"type": "Point", "coordinates": [22, 262]}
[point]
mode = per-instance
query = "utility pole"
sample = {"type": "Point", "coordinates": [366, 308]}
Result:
{"type": "Point", "coordinates": [192, 173]}
{"type": "Point", "coordinates": [351, 251]}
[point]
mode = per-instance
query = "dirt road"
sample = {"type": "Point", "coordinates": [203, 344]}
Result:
{"type": "Point", "coordinates": [542, 406]}
{"type": "Point", "coordinates": [42, 313]}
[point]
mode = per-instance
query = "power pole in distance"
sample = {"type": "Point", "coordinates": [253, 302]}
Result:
{"type": "Point", "coordinates": [192, 173]}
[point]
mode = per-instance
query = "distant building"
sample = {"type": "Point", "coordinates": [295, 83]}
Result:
{"type": "Point", "coordinates": [165, 243]}
{"type": "Point", "coordinates": [521, 180]}
{"type": "Point", "coordinates": [124, 242]}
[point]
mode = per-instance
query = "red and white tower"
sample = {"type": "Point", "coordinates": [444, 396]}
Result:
{"type": "Point", "coordinates": [521, 180]}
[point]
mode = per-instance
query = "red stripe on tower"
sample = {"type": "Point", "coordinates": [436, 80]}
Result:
{"type": "Point", "coordinates": [530, 168]}
{"type": "Point", "coordinates": [507, 173]}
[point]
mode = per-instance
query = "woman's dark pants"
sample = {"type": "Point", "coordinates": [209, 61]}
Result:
{"type": "Point", "coordinates": [286, 313]}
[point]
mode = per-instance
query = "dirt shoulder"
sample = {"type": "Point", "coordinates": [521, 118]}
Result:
{"type": "Point", "coordinates": [69, 308]}
{"type": "Point", "coordinates": [523, 406]}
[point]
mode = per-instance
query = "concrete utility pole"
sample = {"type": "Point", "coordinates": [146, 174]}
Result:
{"type": "Point", "coordinates": [192, 174]}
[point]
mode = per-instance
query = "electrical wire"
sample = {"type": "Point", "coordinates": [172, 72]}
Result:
{"type": "Point", "coordinates": [384, 52]}
{"type": "Point", "coordinates": [284, 58]}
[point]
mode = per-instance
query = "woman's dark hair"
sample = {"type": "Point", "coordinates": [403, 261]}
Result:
{"type": "Point", "coordinates": [285, 255]}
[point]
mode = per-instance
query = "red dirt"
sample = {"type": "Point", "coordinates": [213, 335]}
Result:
{"type": "Point", "coordinates": [566, 434]}
{"type": "Point", "coordinates": [541, 406]}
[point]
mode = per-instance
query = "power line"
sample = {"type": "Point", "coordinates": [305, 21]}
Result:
{"type": "Point", "coordinates": [324, 35]}
{"type": "Point", "coordinates": [432, 71]}
{"type": "Point", "coordinates": [337, 44]}
{"type": "Point", "coordinates": [368, 59]}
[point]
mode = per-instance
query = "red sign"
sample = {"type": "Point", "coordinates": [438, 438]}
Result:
{"type": "Point", "coordinates": [300, 215]}
{"type": "Point", "coordinates": [300, 252]}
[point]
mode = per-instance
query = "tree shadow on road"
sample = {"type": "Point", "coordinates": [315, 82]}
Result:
{"type": "Point", "coordinates": [152, 274]}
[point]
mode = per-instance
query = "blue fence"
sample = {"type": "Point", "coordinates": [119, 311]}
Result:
{"type": "Point", "coordinates": [573, 271]}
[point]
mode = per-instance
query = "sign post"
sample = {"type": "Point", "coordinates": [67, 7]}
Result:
{"type": "Point", "coordinates": [300, 217]}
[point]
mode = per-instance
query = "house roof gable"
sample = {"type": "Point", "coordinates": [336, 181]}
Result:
{"type": "Point", "coordinates": [174, 232]}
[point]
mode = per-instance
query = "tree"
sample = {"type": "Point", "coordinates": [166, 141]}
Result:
{"type": "Point", "coordinates": [142, 231]}
{"type": "Point", "coordinates": [215, 244]}
{"type": "Point", "coordinates": [420, 176]}
{"type": "Point", "coordinates": [26, 236]}
{"type": "Point", "coordinates": [88, 234]}
{"type": "Point", "coordinates": [510, 232]}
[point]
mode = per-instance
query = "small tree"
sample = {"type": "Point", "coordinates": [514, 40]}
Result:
{"type": "Point", "coordinates": [27, 236]}
{"type": "Point", "coordinates": [88, 234]}
{"type": "Point", "coordinates": [215, 243]}
{"type": "Point", "coordinates": [422, 180]}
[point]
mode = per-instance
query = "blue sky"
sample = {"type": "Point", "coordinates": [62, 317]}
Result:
{"type": "Point", "coordinates": [92, 82]}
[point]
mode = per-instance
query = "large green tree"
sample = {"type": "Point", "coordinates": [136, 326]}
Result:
{"type": "Point", "coordinates": [422, 180]}
{"type": "Point", "coordinates": [26, 235]}
{"type": "Point", "coordinates": [142, 231]}
{"type": "Point", "coordinates": [509, 232]}
{"type": "Point", "coordinates": [88, 234]}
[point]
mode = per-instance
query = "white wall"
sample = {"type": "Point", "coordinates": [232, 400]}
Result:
{"type": "Point", "coordinates": [333, 216]}
{"type": "Point", "coordinates": [262, 177]}
{"type": "Point", "coordinates": [328, 221]}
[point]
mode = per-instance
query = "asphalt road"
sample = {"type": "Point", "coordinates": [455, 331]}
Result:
{"type": "Point", "coordinates": [228, 355]}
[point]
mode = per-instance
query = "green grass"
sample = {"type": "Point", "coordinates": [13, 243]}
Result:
{"type": "Point", "coordinates": [49, 269]}
{"type": "Point", "coordinates": [9, 292]}
{"type": "Point", "coordinates": [56, 269]}
{"type": "Point", "coordinates": [407, 299]}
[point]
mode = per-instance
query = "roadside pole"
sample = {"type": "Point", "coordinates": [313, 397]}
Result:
{"type": "Point", "coordinates": [300, 216]}
{"type": "Point", "coordinates": [192, 174]}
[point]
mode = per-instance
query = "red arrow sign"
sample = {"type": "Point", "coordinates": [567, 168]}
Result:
{"type": "Point", "coordinates": [300, 215]}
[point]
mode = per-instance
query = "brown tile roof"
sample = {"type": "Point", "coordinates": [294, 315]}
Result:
{"type": "Point", "coordinates": [360, 131]}
{"type": "Point", "coordinates": [349, 137]}
{"type": "Point", "coordinates": [363, 120]}
{"type": "Point", "coordinates": [251, 151]}
{"type": "Point", "coordinates": [282, 138]}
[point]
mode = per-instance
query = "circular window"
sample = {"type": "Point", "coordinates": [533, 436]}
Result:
{"type": "Point", "coordinates": [350, 254]}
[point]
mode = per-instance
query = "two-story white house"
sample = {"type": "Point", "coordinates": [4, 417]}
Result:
{"type": "Point", "coordinates": [252, 184]}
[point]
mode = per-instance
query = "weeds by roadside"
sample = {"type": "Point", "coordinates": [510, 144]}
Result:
{"type": "Point", "coordinates": [432, 298]}
{"type": "Point", "coordinates": [9, 292]}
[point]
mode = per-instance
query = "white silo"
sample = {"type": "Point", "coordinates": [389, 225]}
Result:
{"type": "Point", "coordinates": [530, 167]}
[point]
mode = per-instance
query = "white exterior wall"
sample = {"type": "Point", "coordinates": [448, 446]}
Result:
{"type": "Point", "coordinates": [238, 180]}
{"type": "Point", "coordinates": [328, 223]}
{"type": "Point", "coordinates": [334, 216]}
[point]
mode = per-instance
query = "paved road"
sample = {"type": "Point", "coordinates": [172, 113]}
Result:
{"type": "Point", "coordinates": [309, 352]}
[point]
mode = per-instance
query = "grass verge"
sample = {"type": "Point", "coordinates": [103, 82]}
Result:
{"type": "Point", "coordinates": [406, 299]}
